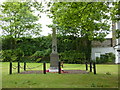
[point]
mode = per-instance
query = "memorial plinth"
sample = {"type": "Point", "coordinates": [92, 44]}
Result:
{"type": "Point", "coordinates": [54, 57]}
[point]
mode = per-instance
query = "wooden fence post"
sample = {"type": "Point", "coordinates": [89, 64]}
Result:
{"type": "Point", "coordinates": [59, 68]}
{"type": "Point", "coordinates": [10, 68]}
{"type": "Point", "coordinates": [18, 67]}
{"type": "Point", "coordinates": [90, 66]}
{"type": "Point", "coordinates": [44, 68]}
{"type": "Point", "coordinates": [86, 66]}
{"type": "Point", "coordinates": [94, 66]}
{"type": "Point", "coordinates": [24, 66]}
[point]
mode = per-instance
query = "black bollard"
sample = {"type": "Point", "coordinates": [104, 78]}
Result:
{"type": "Point", "coordinates": [86, 66]}
{"type": "Point", "coordinates": [24, 66]}
{"type": "Point", "coordinates": [10, 68]}
{"type": "Point", "coordinates": [18, 67]}
{"type": "Point", "coordinates": [44, 68]}
{"type": "Point", "coordinates": [94, 66]}
{"type": "Point", "coordinates": [59, 68]}
{"type": "Point", "coordinates": [90, 66]}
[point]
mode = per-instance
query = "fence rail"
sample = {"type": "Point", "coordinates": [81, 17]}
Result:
{"type": "Point", "coordinates": [25, 67]}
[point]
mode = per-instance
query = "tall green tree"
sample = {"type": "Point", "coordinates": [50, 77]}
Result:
{"type": "Point", "coordinates": [115, 15]}
{"type": "Point", "coordinates": [81, 18]}
{"type": "Point", "coordinates": [115, 11]}
{"type": "Point", "coordinates": [18, 19]}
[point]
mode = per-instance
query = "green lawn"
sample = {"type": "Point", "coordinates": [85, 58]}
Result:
{"type": "Point", "coordinates": [54, 80]}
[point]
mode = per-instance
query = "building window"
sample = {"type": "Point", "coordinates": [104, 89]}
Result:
{"type": "Point", "coordinates": [97, 54]}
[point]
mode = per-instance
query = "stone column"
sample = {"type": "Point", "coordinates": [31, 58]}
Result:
{"type": "Point", "coordinates": [54, 58]}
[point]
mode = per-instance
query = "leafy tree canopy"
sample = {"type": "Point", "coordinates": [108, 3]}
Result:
{"type": "Point", "coordinates": [115, 11]}
{"type": "Point", "coordinates": [81, 18]}
{"type": "Point", "coordinates": [116, 15]}
{"type": "Point", "coordinates": [18, 19]}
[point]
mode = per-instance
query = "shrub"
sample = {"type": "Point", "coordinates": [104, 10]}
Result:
{"type": "Point", "coordinates": [1, 59]}
{"type": "Point", "coordinates": [40, 55]}
{"type": "Point", "coordinates": [72, 57]}
{"type": "Point", "coordinates": [8, 42]}
{"type": "Point", "coordinates": [7, 55]}
{"type": "Point", "coordinates": [106, 58]}
{"type": "Point", "coordinates": [12, 55]}
{"type": "Point", "coordinates": [19, 54]}
{"type": "Point", "coordinates": [38, 60]}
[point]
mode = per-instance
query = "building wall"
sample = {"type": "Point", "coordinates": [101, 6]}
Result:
{"type": "Point", "coordinates": [118, 25]}
{"type": "Point", "coordinates": [117, 54]}
{"type": "Point", "coordinates": [118, 41]}
{"type": "Point", "coordinates": [101, 50]}
{"type": "Point", "coordinates": [117, 46]}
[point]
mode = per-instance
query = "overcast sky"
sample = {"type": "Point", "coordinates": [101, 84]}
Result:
{"type": "Point", "coordinates": [46, 21]}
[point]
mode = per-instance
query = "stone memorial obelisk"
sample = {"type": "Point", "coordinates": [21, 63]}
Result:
{"type": "Point", "coordinates": [54, 57]}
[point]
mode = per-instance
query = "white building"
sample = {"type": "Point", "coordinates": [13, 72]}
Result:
{"type": "Point", "coordinates": [99, 48]}
{"type": "Point", "coordinates": [117, 53]}
{"type": "Point", "coordinates": [111, 45]}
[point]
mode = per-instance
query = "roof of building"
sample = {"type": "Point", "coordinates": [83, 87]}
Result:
{"type": "Point", "coordinates": [105, 43]}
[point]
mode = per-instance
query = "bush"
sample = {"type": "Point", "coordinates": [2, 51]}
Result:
{"type": "Point", "coordinates": [12, 55]}
{"type": "Point", "coordinates": [39, 56]}
{"type": "Point", "coordinates": [19, 54]}
{"type": "Point", "coordinates": [72, 57]}
{"type": "Point", "coordinates": [106, 58]}
{"type": "Point", "coordinates": [8, 55]}
{"type": "Point", "coordinates": [31, 45]}
{"type": "Point", "coordinates": [38, 60]}
{"type": "Point", "coordinates": [8, 42]}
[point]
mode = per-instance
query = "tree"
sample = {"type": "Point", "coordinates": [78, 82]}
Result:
{"type": "Point", "coordinates": [18, 19]}
{"type": "Point", "coordinates": [82, 18]}
{"type": "Point", "coordinates": [115, 14]}
{"type": "Point", "coordinates": [115, 11]}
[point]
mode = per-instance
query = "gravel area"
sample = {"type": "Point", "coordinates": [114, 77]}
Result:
{"type": "Point", "coordinates": [63, 72]}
